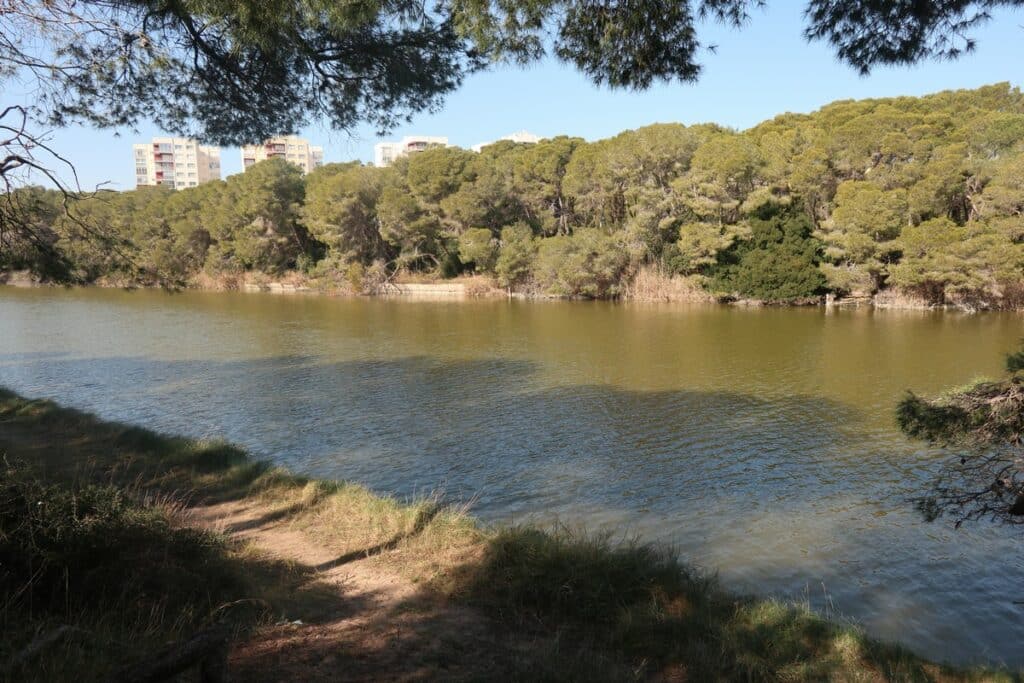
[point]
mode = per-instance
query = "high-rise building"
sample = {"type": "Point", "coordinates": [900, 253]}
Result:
{"type": "Point", "coordinates": [522, 137]}
{"type": "Point", "coordinates": [175, 163]}
{"type": "Point", "coordinates": [288, 147]}
{"type": "Point", "coordinates": [385, 153]}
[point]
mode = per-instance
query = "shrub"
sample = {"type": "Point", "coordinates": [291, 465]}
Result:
{"type": "Point", "coordinates": [589, 264]}
{"type": "Point", "coordinates": [778, 263]}
{"type": "Point", "coordinates": [478, 246]}
{"type": "Point", "coordinates": [450, 265]}
{"type": "Point", "coordinates": [67, 549]}
{"type": "Point", "coordinates": [516, 255]}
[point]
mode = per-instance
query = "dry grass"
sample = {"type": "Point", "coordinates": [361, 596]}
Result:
{"type": "Point", "coordinates": [650, 284]}
{"type": "Point", "coordinates": [221, 282]}
{"type": "Point", "coordinates": [423, 539]}
{"type": "Point", "coordinates": [896, 298]}
{"type": "Point", "coordinates": [417, 277]}
{"type": "Point", "coordinates": [481, 286]}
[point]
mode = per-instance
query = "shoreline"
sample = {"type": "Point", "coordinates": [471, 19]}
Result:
{"type": "Point", "coordinates": [475, 289]}
{"type": "Point", "coordinates": [509, 603]}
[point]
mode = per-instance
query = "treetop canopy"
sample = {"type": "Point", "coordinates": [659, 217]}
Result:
{"type": "Point", "coordinates": [234, 71]}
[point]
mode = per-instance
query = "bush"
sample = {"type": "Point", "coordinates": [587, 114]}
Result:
{"type": "Point", "coordinates": [778, 263]}
{"type": "Point", "coordinates": [478, 246]}
{"type": "Point", "coordinates": [538, 575]}
{"type": "Point", "coordinates": [516, 256]}
{"type": "Point", "coordinates": [853, 279]}
{"type": "Point", "coordinates": [588, 264]}
{"type": "Point", "coordinates": [450, 265]}
{"type": "Point", "coordinates": [67, 549]}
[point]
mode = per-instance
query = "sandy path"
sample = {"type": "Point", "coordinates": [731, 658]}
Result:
{"type": "Point", "coordinates": [363, 623]}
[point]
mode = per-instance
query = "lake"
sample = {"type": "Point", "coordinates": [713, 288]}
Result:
{"type": "Point", "coordinates": [760, 442]}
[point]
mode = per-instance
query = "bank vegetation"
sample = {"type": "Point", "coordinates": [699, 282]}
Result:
{"type": "Point", "coordinates": [913, 200]}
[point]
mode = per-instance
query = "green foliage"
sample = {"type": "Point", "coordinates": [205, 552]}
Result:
{"type": "Point", "coordinates": [631, 173]}
{"type": "Point", "coordinates": [407, 226]}
{"type": "Point", "coordinates": [538, 178]}
{"type": "Point", "coordinates": [484, 198]}
{"type": "Point", "coordinates": [861, 232]}
{"type": "Point", "coordinates": [930, 421]}
{"type": "Point", "coordinates": [985, 421]}
{"type": "Point", "coordinates": [255, 225]}
{"type": "Point", "coordinates": [93, 546]}
{"type": "Point", "coordinates": [1015, 361]}
{"type": "Point", "coordinates": [178, 63]}
{"type": "Point", "coordinates": [778, 262]}
{"type": "Point", "coordinates": [340, 210]}
{"type": "Point", "coordinates": [623, 596]}
{"type": "Point", "coordinates": [235, 71]}
{"type": "Point", "coordinates": [33, 246]}
{"type": "Point", "coordinates": [516, 255]}
{"type": "Point", "coordinates": [451, 265]}
{"type": "Point", "coordinates": [724, 171]}
{"type": "Point", "coordinates": [700, 244]}
{"type": "Point", "coordinates": [589, 264]}
{"type": "Point", "coordinates": [940, 258]}
{"type": "Point", "coordinates": [478, 246]}
{"type": "Point", "coordinates": [922, 195]}
{"type": "Point", "coordinates": [436, 173]}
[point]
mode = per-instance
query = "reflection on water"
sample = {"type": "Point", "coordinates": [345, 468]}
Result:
{"type": "Point", "coordinates": [760, 442]}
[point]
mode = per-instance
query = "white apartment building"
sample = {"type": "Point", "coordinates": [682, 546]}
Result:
{"type": "Point", "coordinates": [523, 137]}
{"type": "Point", "coordinates": [288, 147]}
{"type": "Point", "coordinates": [385, 153]}
{"type": "Point", "coordinates": [175, 163]}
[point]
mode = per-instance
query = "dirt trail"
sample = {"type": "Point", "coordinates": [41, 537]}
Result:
{"type": "Point", "coordinates": [358, 621]}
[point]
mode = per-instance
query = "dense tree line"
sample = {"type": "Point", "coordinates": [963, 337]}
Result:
{"type": "Point", "coordinates": [233, 71]}
{"type": "Point", "coordinates": [923, 196]}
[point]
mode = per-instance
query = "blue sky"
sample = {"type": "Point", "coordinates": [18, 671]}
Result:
{"type": "Point", "coordinates": [760, 71]}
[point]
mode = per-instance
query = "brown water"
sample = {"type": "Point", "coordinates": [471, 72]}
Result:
{"type": "Point", "coordinates": [761, 442]}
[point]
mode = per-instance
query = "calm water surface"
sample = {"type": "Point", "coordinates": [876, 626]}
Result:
{"type": "Point", "coordinates": [761, 442]}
